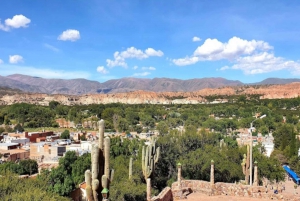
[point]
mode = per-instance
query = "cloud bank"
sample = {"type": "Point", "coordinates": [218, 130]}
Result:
{"type": "Point", "coordinates": [132, 52]}
{"type": "Point", "coordinates": [250, 56]}
{"type": "Point", "coordinates": [7, 69]}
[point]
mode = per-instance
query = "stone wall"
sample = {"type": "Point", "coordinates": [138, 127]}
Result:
{"type": "Point", "coordinates": [165, 195]}
{"type": "Point", "coordinates": [189, 186]}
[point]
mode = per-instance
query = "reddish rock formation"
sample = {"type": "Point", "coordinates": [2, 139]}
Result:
{"type": "Point", "coordinates": [145, 97]}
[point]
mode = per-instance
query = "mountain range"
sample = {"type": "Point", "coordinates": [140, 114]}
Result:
{"type": "Point", "coordinates": [32, 84]}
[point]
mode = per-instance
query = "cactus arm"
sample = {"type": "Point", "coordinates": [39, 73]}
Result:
{"type": "Point", "coordinates": [143, 160]}
{"type": "Point", "coordinates": [88, 189]}
{"type": "Point", "coordinates": [104, 181]}
{"type": "Point", "coordinates": [101, 133]}
{"type": "Point", "coordinates": [157, 155]}
{"type": "Point", "coordinates": [106, 152]}
{"type": "Point", "coordinates": [130, 168]}
{"type": "Point", "coordinates": [112, 173]}
{"type": "Point", "coordinates": [95, 161]}
{"type": "Point", "coordinates": [95, 186]}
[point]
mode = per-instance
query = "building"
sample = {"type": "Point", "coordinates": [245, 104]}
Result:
{"type": "Point", "coordinates": [46, 151]}
{"type": "Point", "coordinates": [34, 135]}
{"type": "Point", "coordinates": [14, 154]}
{"type": "Point", "coordinates": [8, 146]}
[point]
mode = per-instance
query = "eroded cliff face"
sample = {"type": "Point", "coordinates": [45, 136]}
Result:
{"type": "Point", "coordinates": [144, 97]}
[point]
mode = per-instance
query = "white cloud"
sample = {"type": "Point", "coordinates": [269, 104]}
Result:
{"type": "Point", "coordinates": [16, 22]}
{"type": "Point", "coordinates": [1, 61]}
{"type": "Point", "coordinates": [148, 68]}
{"type": "Point", "coordinates": [185, 61]}
{"type": "Point", "coordinates": [265, 62]}
{"type": "Point", "coordinates": [196, 39]}
{"type": "Point", "coordinates": [14, 59]}
{"type": "Point", "coordinates": [141, 74]}
{"type": "Point", "coordinates": [132, 52]}
{"type": "Point", "coordinates": [251, 57]}
{"type": "Point", "coordinates": [70, 34]}
{"type": "Point", "coordinates": [102, 70]}
{"type": "Point", "coordinates": [152, 52]}
{"type": "Point", "coordinates": [213, 49]}
{"type": "Point", "coordinates": [7, 69]}
{"type": "Point", "coordinates": [225, 68]}
{"type": "Point", "coordinates": [50, 47]}
{"type": "Point", "coordinates": [135, 67]}
{"type": "Point", "coordinates": [3, 27]}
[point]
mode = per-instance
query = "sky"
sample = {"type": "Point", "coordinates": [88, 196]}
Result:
{"type": "Point", "coordinates": [101, 40]}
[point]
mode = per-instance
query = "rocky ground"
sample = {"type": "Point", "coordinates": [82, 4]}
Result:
{"type": "Point", "coordinates": [289, 191]}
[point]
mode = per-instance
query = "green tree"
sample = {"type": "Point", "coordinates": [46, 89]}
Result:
{"type": "Point", "coordinates": [28, 166]}
{"type": "Point", "coordinates": [65, 134]}
{"type": "Point", "coordinates": [79, 167]}
{"type": "Point", "coordinates": [162, 128]}
{"type": "Point", "coordinates": [19, 128]}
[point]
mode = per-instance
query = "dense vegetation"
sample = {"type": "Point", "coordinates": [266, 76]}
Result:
{"type": "Point", "coordinates": [13, 188]}
{"type": "Point", "coordinates": [194, 146]}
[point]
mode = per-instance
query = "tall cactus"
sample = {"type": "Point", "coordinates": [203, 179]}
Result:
{"type": "Point", "coordinates": [130, 168]}
{"type": "Point", "coordinates": [246, 165]}
{"type": "Point", "coordinates": [150, 156]}
{"type": "Point", "coordinates": [100, 177]}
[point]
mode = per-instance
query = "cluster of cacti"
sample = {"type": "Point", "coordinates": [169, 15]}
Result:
{"type": "Point", "coordinates": [100, 177]}
{"type": "Point", "coordinates": [246, 165]}
{"type": "Point", "coordinates": [150, 156]}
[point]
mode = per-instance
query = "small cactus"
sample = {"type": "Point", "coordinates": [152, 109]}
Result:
{"type": "Point", "coordinates": [246, 165]}
{"type": "Point", "coordinates": [150, 156]}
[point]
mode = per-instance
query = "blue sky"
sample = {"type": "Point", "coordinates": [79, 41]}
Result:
{"type": "Point", "coordinates": [102, 40]}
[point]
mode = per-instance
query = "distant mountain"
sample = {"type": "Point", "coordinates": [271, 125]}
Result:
{"type": "Point", "coordinates": [58, 86]}
{"type": "Point", "coordinates": [15, 84]}
{"type": "Point", "coordinates": [82, 86]}
{"type": "Point", "coordinates": [9, 91]}
{"type": "Point", "coordinates": [277, 81]}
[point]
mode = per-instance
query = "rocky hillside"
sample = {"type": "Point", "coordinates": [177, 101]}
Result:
{"type": "Point", "coordinates": [145, 97]}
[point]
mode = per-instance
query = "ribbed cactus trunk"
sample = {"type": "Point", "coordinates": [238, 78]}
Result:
{"type": "Point", "coordinates": [95, 171]}
{"type": "Point", "coordinates": [88, 188]}
{"type": "Point", "coordinates": [212, 173]}
{"type": "Point", "coordinates": [179, 174]}
{"type": "Point", "coordinates": [255, 182]}
{"type": "Point", "coordinates": [247, 166]}
{"type": "Point", "coordinates": [150, 156]}
{"type": "Point", "coordinates": [148, 189]}
{"type": "Point", "coordinates": [100, 177]}
{"type": "Point", "coordinates": [130, 168]}
{"type": "Point", "coordinates": [179, 179]}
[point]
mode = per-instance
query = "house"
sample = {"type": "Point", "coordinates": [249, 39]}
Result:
{"type": "Point", "coordinates": [46, 151]}
{"type": "Point", "coordinates": [14, 154]}
{"type": "Point", "coordinates": [34, 135]}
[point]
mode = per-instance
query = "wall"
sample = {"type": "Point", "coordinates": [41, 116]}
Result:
{"type": "Point", "coordinates": [229, 189]}
{"type": "Point", "coordinates": [33, 136]}
{"type": "Point", "coordinates": [165, 195]}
